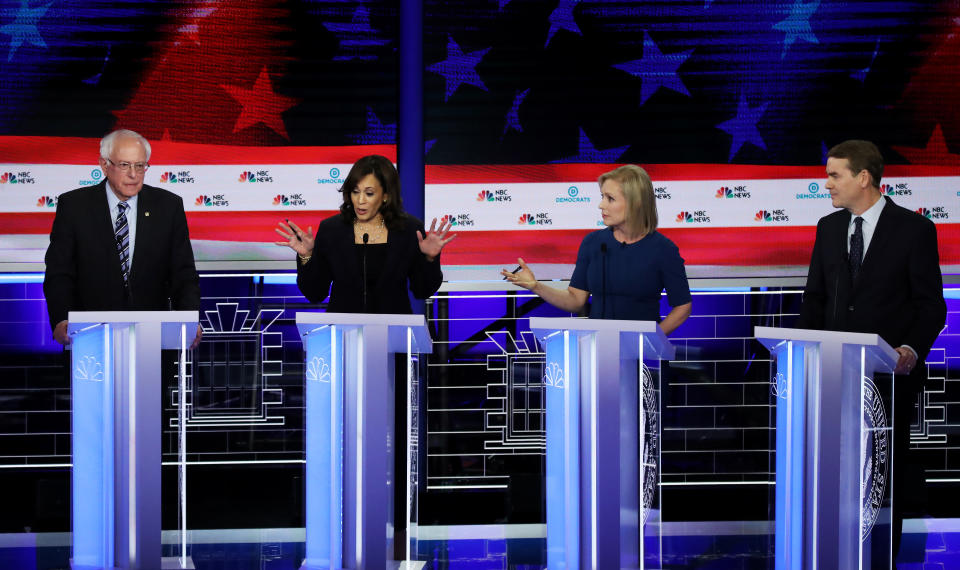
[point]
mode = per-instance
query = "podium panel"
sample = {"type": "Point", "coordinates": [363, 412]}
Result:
{"type": "Point", "coordinates": [834, 448]}
{"type": "Point", "coordinates": [116, 390]}
{"type": "Point", "coordinates": [603, 478]}
{"type": "Point", "coordinates": [350, 440]}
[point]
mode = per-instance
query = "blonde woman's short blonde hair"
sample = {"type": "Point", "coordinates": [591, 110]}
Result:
{"type": "Point", "coordinates": [641, 215]}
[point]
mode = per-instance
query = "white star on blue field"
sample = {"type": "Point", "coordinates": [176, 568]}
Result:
{"type": "Point", "coordinates": [24, 27]}
{"type": "Point", "coordinates": [797, 25]}
{"type": "Point", "coordinates": [377, 132]}
{"type": "Point", "coordinates": [562, 19]}
{"type": "Point", "coordinates": [356, 39]}
{"type": "Point", "coordinates": [743, 127]}
{"type": "Point", "coordinates": [459, 68]}
{"type": "Point", "coordinates": [656, 69]}
{"type": "Point", "coordinates": [589, 154]}
{"type": "Point", "coordinates": [513, 115]}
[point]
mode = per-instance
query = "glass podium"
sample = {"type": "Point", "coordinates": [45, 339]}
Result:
{"type": "Point", "coordinates": [117, 394]}
{"type": "Point", "coordinates": [603, 441]}
{"type": "Point", "coordinates": [350, 439]}
{"type": "Point", "coordinates": [834, 448]}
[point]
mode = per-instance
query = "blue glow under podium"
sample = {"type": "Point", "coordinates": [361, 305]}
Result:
{"type": "Point", "coordinates": [117, 393]}
{"type": "Point", "coordinates": [834, 490]}
{"type": "Point", "coordinates": [603, 442]}
{"type": "Point", "coordinates": [350, 438]}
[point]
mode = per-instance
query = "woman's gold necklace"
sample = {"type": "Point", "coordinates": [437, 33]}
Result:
{"type": "Point", "coordinates": [375, 235]}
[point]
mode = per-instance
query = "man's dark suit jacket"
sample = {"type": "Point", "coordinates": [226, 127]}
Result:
{"type": "Point", "coordinates": [898, 293]}
{"type": "Point", "coordinates": [83, 266]}
{"type": "Point", "coordinates": [335, 261]}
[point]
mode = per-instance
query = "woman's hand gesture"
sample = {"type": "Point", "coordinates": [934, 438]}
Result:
{"type": "Point", "coordinates": [436, 238]}
{"type": "Point", "coordinates": [522, 278]}
{"type": "Point", "coordinates": [295, 238]}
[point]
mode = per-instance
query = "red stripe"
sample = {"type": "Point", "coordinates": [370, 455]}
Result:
{"type": "Point", "coordinates": [222, 226]}
{"type": "Point", "coordinates": [778, 245]}
{"type": "Point", "coordinates": [27, 223]}
{"type": "Point", "coordinates": [75, 150]}
{"type": "Point", "coordinates": [250, 226]}
{"type": "Point", "coordinates": [518, 173]}
{"type": "Point", "coordinates": [698, 246]}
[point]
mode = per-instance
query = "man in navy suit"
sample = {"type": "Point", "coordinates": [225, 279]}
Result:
{"type": "Point", "coordinates": [119, 245]}
{"type": "Point", "coordinates": [875, 268]}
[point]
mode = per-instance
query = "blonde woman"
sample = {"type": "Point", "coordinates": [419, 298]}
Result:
{"type": "Point", "coordinates": [625, 266]}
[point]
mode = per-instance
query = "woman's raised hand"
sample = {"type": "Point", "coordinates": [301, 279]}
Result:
{"type": "Point", "coordinates": [523, 277]}
{"type": "Point", "coordinates": [436, 238]}
{"type": "Point", "coordinates": [295, 238]}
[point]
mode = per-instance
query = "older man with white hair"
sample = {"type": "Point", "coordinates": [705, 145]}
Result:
{"type": "Point", "coordinates": [119, 245]}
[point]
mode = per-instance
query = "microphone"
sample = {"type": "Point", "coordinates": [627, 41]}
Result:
{"type": "Point", "coordinates": [366, 238]}
{"type": "Point", "coordinates": [603, 282]}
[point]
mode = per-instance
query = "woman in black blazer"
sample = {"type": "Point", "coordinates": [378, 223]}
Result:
{"type": "Point", "coordinates": [372, 252]}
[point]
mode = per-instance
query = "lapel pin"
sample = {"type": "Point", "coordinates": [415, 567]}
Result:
{"type": "Point", "coordinates": [147, 214]}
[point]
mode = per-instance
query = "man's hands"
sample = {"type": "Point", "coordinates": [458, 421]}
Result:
{"type": "Point", "coordinates": [60, 333]}
{"type": "Point", "coordinates": [196, 339]}
{"type": "Point", "coordinates": [906, 362]}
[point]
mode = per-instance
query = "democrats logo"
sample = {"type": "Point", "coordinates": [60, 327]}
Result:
{"type": "Point", "coordinates": [291, 200]}
{"type": "Point", "coordinates": [47, 202]}
{"type": "Point", "coordinates": [934, 213]}
{"type": "Point", "coordinates": [457, 220]}
{"type": "Point", "coordinates": [813, 192]}
{"type": "Point", "coordinates": [255, 176]}
{"type": "Point", "coordinates": [771, 216]}
{"type": "Point", "coordinates": [538, 219]}
{"type": "Point", "coordinates": [181, 177]}
{"type": "Point", "coordinates": [732, 192]}
{"type": "Point", "coordinates": [896, 190]}
{"type": "Point", "coordinates": [95, 175]}
{"type": "Point", "coordinates": [495, 195]}
{"type": "Point", "coordinates": [333, 178]}
{"type": "Point", "coordinates": [17, 178]}
{"type": "Point", "coordinates": [214, 201]}
{"type": "Point", "coordinates": [693, 217]}
{"type": "Point", "coordinates": [572, 195]}
{"type": "Point", "coordinates": [661, 193]}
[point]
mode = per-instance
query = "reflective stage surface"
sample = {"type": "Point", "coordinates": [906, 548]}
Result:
{"type": "Point", "coordinates": [928, 544]}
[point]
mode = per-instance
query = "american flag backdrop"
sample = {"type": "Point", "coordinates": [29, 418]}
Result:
{"type": "Point", "coordinates": [258, 107]}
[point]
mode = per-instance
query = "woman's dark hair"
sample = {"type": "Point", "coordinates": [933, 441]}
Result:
{"type": "Point", "coordinates": [386, 174]}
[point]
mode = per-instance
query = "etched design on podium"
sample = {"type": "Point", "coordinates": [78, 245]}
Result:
{"type": "Point", "coordinates": [413, 437]}
{"type": "Point", "coordinates": [553, 375]}
{"type": "Point", "coordinates": [518, 424]}
{"type": "Point", "coordinates": [230, 373]}
{"type": "Point", "coordinates": [650, 424]}
{"type": "Point", "coordinates": [318, 370]}
{"type": "Point", "coordinates": [874, 449]}
{"type": "Point", "coordinates": [90, 369]}
{"type": "Point", "coordinates": [779, 387]}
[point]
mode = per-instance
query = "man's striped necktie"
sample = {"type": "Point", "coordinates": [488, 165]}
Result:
{"type": "Point", "coordinates": [122, 231]}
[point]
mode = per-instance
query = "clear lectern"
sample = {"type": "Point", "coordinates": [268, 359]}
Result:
{"type": "Point", "coordinates": [350, 437]}
{"type": "Point", "coordinates": [117, 402]}
{"type": "Point", "coordinates": [834, 491]}
{"type": "Point", "coordinates": [603, 442]}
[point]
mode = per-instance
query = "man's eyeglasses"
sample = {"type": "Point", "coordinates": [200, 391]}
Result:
{"type": "Point", "coordinates": [138, 167]}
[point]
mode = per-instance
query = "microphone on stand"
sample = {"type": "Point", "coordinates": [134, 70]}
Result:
{"type": "Point", "coordinates": [603, 282]}
{"type": "Point", "coordinates": [366, 238]}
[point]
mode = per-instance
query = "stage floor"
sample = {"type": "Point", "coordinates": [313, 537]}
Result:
{"type": "Point", "coordinates": [927, 544]}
